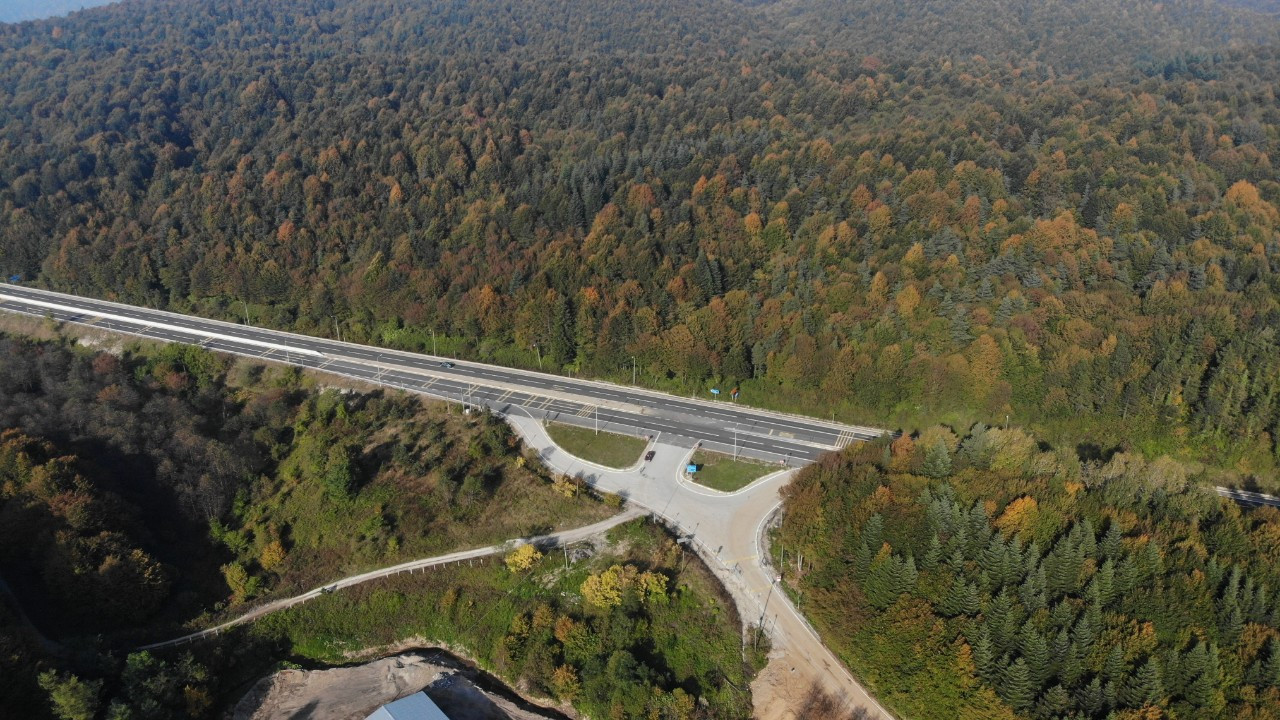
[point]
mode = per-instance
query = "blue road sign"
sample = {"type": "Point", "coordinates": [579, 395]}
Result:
{"type": "Point", "coordinates": [715, 391]}
{"type": "Point", "coordinates": [15, 278]}
{"type": "Point", "coordinates": [691, 468]}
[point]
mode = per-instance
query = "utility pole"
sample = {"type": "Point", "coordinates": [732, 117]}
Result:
{"type": "Point", "coordinates": [765, 609]}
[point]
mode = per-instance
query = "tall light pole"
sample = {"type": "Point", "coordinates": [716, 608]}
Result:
{"type": "Point", "coordinates": [633, 369]}
{"type": "Point", "coordinates": [246, 310]}
{"type": "Point", "coordinates": [434, 350]}
{"type": "Point", "coordinates": [597, 419]}
{"type": "Point", "coordinates": [765, 609]}
{"type": "Point", "coordinates": [539, 351]}
{"type": "Point", "coordinates": [336, 330]}
{"type": "Point", "coordinates": [735, 442]}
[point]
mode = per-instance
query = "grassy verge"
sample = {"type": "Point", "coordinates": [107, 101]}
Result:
{"type": "Point", "coordinates": [655, 649]}
{"type": "Point", "coordinates": [608, 449]}
{"type": "Point", "coordinates": [722, 472]}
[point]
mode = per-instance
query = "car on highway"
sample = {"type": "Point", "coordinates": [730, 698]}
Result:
{"type": "Point", "coordinates": [446, 364]}
{"type": "Point", "coordinates": [649, 455]}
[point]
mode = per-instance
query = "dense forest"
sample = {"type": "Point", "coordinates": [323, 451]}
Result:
{"type": "Point", "coordinates": [987, 576]}
{"type": "Point", "coordinates": [1076, 227]}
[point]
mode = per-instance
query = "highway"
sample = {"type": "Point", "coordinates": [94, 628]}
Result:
{"type": "Point", "coordinates": [1246, 497]}
{"type": "Point", "coordinates": [728, 530]}
{"type": "Point", "coordinates": [719, 425]}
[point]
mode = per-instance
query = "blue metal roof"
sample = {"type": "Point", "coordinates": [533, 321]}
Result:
{"type": "Point", "coordinates": [415, 707]}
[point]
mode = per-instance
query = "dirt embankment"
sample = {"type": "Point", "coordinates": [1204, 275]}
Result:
{"type": "Point", "coordinates": [352, 693]}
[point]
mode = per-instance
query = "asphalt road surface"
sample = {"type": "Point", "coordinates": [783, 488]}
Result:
{"type": "Point", "coordinates": [719, 424]}
{"type": "Point", "coordinates": [727, 529]}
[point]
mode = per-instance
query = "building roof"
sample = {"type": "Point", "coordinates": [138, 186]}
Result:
{"type": "Point", "coordinates": [415, 707]}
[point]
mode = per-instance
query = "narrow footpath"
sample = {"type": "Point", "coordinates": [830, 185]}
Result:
{"type": "Point", "coordinates": [552, 540]}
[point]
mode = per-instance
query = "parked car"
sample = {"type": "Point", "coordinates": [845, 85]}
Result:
{"type": "Point", "coordinates": [649, 455]}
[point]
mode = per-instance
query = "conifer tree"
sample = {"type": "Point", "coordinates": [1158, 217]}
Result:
{"type": "Point", "coordinates": [1036, 653]}
{"type": "Point", "coordinates": [1111, 544]}
{"type": "Point", "coordinates": [1144, 686]}
{"type": "Point", "coordinates": [933, 555]}
{"type": "Point", "coordinates": [1017, 686]}
{"type": "Point", "coordinates": [984, 656]}
{"type": "Point", "coordinates": [937, 461]}
{"type": "Point", "coordinates": [1091, 699]}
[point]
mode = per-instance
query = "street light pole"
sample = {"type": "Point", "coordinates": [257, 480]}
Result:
{"type": "Point", "coordinates": [434, 350]}
{"type": "Point", "coordinates": [539, 351]}
{"type": "Point", "coordinates": [765, 609]}
{"type": "Point", "coordinates": [633, 369]}
{"type": "Point", "coordinates": [597, 419]}
{"type": "Point", "coordinates": [735, 442]}
{"type": "Point", "coordinates": [246, 310]}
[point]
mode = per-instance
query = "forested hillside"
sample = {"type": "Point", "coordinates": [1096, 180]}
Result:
{"type": "Point", "coordinates": [143, 492]}
{"type": "Point", "coordinates": [986, 577]}
{"type": "Point", "coordinates": [1077, 227]}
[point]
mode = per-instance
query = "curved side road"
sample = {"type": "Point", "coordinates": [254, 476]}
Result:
{"type": "Point", "coordinates": [727, 531]}
{"type": "Point", "coordinates": [554, 540]}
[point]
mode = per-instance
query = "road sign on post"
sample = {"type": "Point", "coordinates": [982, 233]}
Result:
{"type": "Point", "coordinates": [691, 468]}
{"type": "Point", "coordinates": [715, 391]}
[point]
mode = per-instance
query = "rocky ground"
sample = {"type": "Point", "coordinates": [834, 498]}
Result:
{"type": "Point", "coordinates": [352, 693]}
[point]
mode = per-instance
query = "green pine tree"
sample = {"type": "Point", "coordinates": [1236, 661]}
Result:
{"type": "Point", "coordinates": [937, 460]}
{"type": "Point", "coordinates": [1036, 653]}
{"type": "Point", "coordinates": [1017, 686]}
{"type": "Point", "coordinates": [933, 555]}
{"type": "Point", "coordinates": [984, 656]}
{"type": "Point", "coordinates": [1144, 686]}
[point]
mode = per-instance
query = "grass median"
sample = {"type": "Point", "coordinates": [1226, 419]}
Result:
{"type": "Point", "coordinates": [604, 448]}
{"type": "Point", "coordinates": [724, 473]}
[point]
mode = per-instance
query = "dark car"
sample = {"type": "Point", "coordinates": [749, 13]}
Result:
{"type": "Point", "coordinates": [446, 364]}
{"type": "Point", "coordinates": [649, 455]}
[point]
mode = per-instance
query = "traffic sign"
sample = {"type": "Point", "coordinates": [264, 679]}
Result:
{"type": "Point", "coordinates": [715, 391]}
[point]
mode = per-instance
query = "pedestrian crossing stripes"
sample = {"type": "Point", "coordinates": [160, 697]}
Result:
{"type": "Point", "coordinates": [503, 397]}
{"type": "Point", "coordinates": [586, 411]}
{"type": "Point", "coordinates": [846, 437]}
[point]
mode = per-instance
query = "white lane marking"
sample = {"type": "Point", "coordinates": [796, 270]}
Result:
{"type": "Point", "coordinates": [154, 325]}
